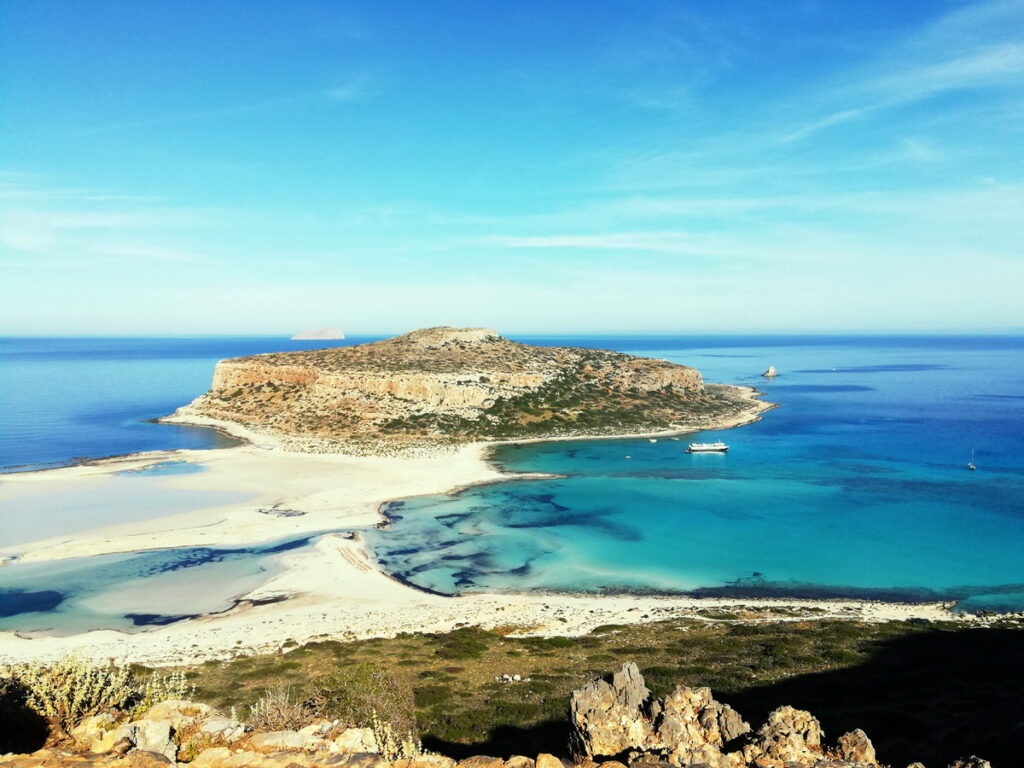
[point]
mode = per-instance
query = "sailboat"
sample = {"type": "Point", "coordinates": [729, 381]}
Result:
{"type": "Point", "coordinates": [970, 464]}
{"type": "Point", "coordinates": [771, 372]}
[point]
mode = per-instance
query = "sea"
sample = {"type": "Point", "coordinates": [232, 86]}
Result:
{"type": "Point", "coordinates": [856, 485]}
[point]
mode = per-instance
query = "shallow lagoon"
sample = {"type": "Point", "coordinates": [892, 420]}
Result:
{"type": "Point", "coordinates": [132, 591]}
{"type": "Point", "coordinates": [856, 487]}
{"type": "Point", "coordinates": [34, 511]}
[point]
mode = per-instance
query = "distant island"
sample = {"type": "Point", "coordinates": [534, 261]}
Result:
{"type": "Point", "coordinates": [318, 334]}
{"type": "Point", "coordinates": [447, 385]}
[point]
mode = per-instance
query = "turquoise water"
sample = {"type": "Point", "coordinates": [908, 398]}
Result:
{"type": "Point", "coordinates": [856, 486]}
{"type": "Point", "coordinates": [34, 511]}
{"type": "Point", "coordinates": [132, 591]}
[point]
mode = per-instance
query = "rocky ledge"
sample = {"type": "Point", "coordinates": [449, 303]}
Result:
{"type": "Point", "coordinates": [452, 385]}
{"type": "Point", "coordinates": [614, 723]}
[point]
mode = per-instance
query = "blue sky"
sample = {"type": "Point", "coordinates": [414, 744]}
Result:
{"type": "Point", "coordinates": [263, 167]}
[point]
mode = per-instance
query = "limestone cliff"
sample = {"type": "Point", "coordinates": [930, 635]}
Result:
{"type": "Point", "coordinates": [446, 384]}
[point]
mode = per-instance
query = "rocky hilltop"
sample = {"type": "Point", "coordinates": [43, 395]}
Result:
{"type": "Point", "coordinates": [449, 385]}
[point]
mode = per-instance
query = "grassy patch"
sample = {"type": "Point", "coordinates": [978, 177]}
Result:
{"type": "Point", "coordinates": [462, 706]}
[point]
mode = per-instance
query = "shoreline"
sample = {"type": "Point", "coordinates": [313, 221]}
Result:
{"type": "Point", "coordinates": [356, 600]}
{"type": "Point", "coordinates": [354, 597]}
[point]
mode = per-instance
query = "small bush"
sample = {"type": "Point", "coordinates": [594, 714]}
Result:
{"type": "Point", "coordinates": [156, 687]}
{"type": "Point", "coordinates": [66, 693]}
{"type": "Point", "coordinates": [393, 745]}
{"type": "Point", "coordinates": [360, 694]}
{"type": "Point", "coordinates": [277, 710]}
{"type": "Point", "coordinates": [73, 689]}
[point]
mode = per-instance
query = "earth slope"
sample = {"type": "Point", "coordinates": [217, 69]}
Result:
{"type": "Point", "coordinates": [452, 385]}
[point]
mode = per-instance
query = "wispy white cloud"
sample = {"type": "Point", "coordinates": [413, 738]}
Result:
{"type": "Point", "coordinates": [979, 47]}
{"type": "Point", "coordinates": [354, 89]}
{"type": "Point", "coordinates": [681, 243]}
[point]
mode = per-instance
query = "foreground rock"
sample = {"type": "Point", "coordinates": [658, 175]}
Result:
{"type": "Point", "coordinates": [614, 724]}
{"type": "Point", "coordinates": [621, 720]}
{"type": "Point", "coordinates": [449, 385]}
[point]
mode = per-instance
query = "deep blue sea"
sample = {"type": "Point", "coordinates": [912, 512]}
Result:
{"type": "Point", "coordinates": [856, 485]}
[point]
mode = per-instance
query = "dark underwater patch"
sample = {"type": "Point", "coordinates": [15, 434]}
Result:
{"type": "Point", "coordinates": [154, 619]}
{"type": "Point", "coordinates": [17, 601]}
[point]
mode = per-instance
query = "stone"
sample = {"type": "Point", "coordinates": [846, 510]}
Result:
{"type": "Point", "coordinates": [970, 762]}
{"type": "Point", "coordinates": [855, 746]}
{"type": "Point", "coordinates": [149, 736]}
{"type": "Point", "coordinates": [620, 717]}
{"type": "Point", "coordinates": [545, 760]}
{"type": "Point", "coordinates": [424, 761]}
{"type": "Point", "coordinates": [519, 761]}
{"type": "Point", "coordinates": [611, 764]}
{"type": "Point", "coordinates": [223, 729]}
{"type": "Point", "coordinates": [481, 761]}
{"type": "Point", "coordinates": [179, 713]}
{"type": "Point", "coordinates": [141, 758]}
{"type": "Point", "coordinates": [789, 735]}
{"type": "Point", "coordinates": [365, 760]}
{"type": "Point", "coordinates": [318, 729]}
{"type": "Point", "coordinates": [213, 756]}
{"type": "Point", "coordinates": [287, 740]}
{"type": "Point", "coordinates": [357, 740]}
{"type": "Point", "coordinates": [607, 718]}
{"type": "Point", "coordinates": [96, 733]}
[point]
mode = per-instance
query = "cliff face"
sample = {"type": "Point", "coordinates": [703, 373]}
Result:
{"type": "Point", "coordinates": [454, 384]}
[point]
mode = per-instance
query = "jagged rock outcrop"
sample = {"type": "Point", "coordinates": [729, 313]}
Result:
{"type": "Point", "coordinates": [619, 719]}
{"type": "Point", "coordinates": [856, 747]}
{"type": "Point", "coordinates": [789, 735]}
{"type": "Point", "coordinates": [457, 384]}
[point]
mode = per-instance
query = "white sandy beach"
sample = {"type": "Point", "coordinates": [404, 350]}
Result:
{"type": "Point", "coordinates": [332, 590]}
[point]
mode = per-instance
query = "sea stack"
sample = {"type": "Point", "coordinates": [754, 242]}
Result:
{"type": "Point", "coordinates": [771, 372]}
{"type": "Point", "coordinates": [318, 334]}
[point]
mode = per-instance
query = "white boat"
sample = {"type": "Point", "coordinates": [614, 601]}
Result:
{"type": "Point", "coordinates": [707, 448]}
{"type": "Point", "coordinates": [651, 440]}
{"type": "Point", "coordinates": [771, 372]}
{"type": "Point", "coordinates": [970, 464]}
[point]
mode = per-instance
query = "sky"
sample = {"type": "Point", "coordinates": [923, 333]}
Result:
{"type": "Point", "coordinates": [249, 166]}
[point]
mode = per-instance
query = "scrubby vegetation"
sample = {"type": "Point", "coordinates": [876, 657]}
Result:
{"type": "Point", "coordinates": [52, 699]}
{"type": "Point", "coordinates": [463, 706]}
{"type": "Point", "coordinates": [919, 688]}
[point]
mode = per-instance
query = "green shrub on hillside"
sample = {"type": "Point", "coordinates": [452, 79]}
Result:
{"type": "Point", "coordinates": [359, 694]}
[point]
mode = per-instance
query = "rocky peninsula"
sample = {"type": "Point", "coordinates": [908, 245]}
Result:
{"type": "Point", "coordinates": [450, 386]}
